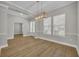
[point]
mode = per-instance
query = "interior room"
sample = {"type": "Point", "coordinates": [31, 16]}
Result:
{"type": "Point", "coordinates": [39, 28]}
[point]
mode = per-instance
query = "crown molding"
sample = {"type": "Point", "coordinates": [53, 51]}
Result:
{"type": "Point", "coordinates": [12, 4]}
{"type": "Point", "coordinates": [15, 7]}
{"type": "Point", "coordinates": [2, 5]}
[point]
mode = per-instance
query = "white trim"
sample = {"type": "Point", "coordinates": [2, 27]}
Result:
{"type": "Point", "coordinates": [6, 45]}
{"type": "Point", "coordinates": [25, 35]}
{"type": "Point", "coordinates": [10, 38]}
{"type": "Point", "coordinates": [2, 5]}
{"type": "Point", "coordinates": [12, 4]}
{"type": "Point", "coordinates": [74, 46]}
{"type": "Point", "coordinates": [77, 50]}
{"type": "Point", "coordinates": [57, 42]}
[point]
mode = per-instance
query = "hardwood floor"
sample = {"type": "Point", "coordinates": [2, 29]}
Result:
{"type": "Point", "coordinates": [30, 47]}
{"type": "Point", "coordinates": [0, 52]}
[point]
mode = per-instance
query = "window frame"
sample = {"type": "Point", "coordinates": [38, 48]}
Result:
{"type": "Point", "coordinates": [64, 24]}
{"type": "Point", "coordinates": [33, 23]}
{"type": "Point", "coordinates": [47, 26]}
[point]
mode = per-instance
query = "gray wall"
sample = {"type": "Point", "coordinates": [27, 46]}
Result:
{"type": "Point", "coordinates": [18, 28]}
{"type": "Point", "coordinates": [3, 25]}
{"type": "Point", "coordinates": [70, 22]}
{"type": "Point", "coordinates": [71, 25]}
{"type": "Point", "coordinates": [78, 28]}
{"type": "Point", "coordinates": [7, 20]}
{"type": "Point", "coordinates": [12, 19]}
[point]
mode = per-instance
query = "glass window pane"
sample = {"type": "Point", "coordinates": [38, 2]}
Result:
{"type": "Point", "coordinates": [32, 26]}
{"type": "Point", "coordinates": [47, 25]}
{"type": "Point", "coordinates": [59, 25]}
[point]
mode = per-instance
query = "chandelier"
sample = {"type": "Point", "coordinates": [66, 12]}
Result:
{"type": "Point", "coordinates": [42, 15]}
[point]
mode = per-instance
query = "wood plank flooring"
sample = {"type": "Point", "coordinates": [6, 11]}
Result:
{"type": "Point", "coordinates": [30, 47]}
{"type": "Point", "coordinates": [0, 52]}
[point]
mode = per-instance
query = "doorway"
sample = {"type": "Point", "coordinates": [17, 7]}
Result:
{"type": "Point", "coordinates": [18, 29]}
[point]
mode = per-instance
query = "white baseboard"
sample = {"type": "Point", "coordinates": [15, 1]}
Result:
{"type": "Point", "coordinates": [25, 35]}
{"type": "Point", "coordinates": [10, 37]}
{"type": "Point", "coordinates": [6, 45]}
{"type": "Point", "coordinates": [77, 50]}
{"type": "Point", "coordinates": [61, 43]}
{"type": "Point", "coordinates": [57, 42]}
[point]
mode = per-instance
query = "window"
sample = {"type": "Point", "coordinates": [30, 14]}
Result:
{"type": "Point", "coordinates": [32, 26]}
{"type": "Point", "coordinates": [59, 25]}
{"type": "Point", "coordinates": [47, 25]}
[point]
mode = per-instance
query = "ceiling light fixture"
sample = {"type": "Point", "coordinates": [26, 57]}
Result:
{"type": "Point", "coordinates": [43, 14]}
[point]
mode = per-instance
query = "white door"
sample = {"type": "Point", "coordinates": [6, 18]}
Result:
{"type": "Point", "coordinates": [18, 28]}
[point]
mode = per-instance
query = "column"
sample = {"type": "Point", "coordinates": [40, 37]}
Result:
{"type": "Point", "coordinates": [3, 25]}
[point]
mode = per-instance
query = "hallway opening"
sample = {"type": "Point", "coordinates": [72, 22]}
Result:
{"type": "Point", "coordinates": [18, 29]}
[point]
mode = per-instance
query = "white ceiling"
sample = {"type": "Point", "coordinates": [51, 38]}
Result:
{"type": "Point", "coordinates": [35, 7]}
{"type": "Point", "coordinates": [32, 8]}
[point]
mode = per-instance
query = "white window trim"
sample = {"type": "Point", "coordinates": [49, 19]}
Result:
{"type": "Point", "coordinates": [64, 24]}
